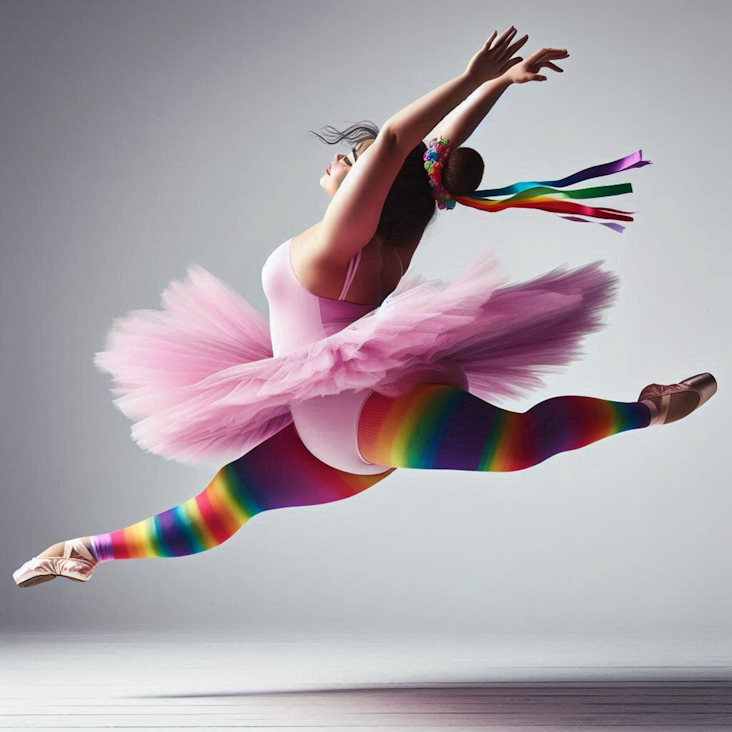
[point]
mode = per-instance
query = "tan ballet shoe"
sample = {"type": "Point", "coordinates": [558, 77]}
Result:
{"type": "Point", "coordinates": [43, 569]}
{"type": "Point", "coordinates": [671, 402]}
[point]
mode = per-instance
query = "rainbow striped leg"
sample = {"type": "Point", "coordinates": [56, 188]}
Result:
{"type": "Point", "coordinates": [446, 428]}
{"type": "Point", "coordinates": [278, 473]}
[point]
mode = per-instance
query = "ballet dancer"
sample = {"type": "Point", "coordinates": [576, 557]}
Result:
{"type": "Point", "coordinates": [334, 394]}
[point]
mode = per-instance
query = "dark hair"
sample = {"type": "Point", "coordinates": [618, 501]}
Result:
{"type": "Point", "coordinates": [409, 207]}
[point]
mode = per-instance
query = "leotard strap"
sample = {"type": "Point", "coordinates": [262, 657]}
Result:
{"type": "Point", "coordinates": [352, 267]}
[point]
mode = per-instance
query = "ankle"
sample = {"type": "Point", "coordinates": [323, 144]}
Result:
{"type": "Point", "coordinates": [89, 544]}
{"type": "Point", "coordinates": [654, 405]}
{"type": "Point", "coordinates": [57, 550]}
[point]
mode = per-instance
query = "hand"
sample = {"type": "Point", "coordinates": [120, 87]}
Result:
{"type": "Point", "coordinates": [492, 62]}
{"type": "Point", "coordinates": [528, 70]}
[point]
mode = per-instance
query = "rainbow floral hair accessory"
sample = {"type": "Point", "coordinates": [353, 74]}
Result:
{"type": "Point", "coordinates": [541, 194]}
{"type": "Point", "coordinates": [435, 158]}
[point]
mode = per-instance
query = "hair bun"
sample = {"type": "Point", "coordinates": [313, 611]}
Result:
{"type": "Point", "coordinates": [463, 171]}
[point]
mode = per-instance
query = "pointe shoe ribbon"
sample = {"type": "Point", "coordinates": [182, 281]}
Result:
{"type": "Point", "coordinates": [44, 569]}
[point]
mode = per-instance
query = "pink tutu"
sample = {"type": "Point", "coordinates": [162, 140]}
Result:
{"type": "Point", "coordinates": [199, 381]}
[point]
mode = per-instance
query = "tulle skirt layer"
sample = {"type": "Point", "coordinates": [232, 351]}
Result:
{"type": "Point", "coordinates": [199, 380]}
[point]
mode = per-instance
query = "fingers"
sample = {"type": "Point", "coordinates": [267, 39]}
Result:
{"type": "Point", "coordinates": [545, 53]}
{"type": "Point", "coordinates": [490, 39]}
{"type": "Point", "coordinates": [511, 63]}
{"type": "Point", "coordinates": [503, 39]}
{"type": "Point", "coordinates": [511, 30]}
{"type": "Point", "coordinates": [503, 42]}
{"type": "Point", "coordinates": [535, 68]}
{"type": "Point", "coordinates": [541, 55]}
{"type": "Point", "coordinates": [536, 60]}
{"type": "Point", "coordinates": [515, 46]}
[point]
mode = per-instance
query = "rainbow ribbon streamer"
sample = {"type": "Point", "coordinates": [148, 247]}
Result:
{"type": "Point", "coordinates": [541, 194]}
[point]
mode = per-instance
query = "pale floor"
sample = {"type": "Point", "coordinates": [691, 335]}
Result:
{"type": "Point", "coordinates": [195, 680]}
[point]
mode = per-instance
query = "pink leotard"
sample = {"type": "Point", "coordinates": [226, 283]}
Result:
{"type": "Point", "coordinates": [297, 316]}
{"type": "Point", "coordinates": [328, 425]}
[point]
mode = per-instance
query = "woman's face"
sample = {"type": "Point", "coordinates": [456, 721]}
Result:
{"type": "Point", "coordinates": [340, 165]}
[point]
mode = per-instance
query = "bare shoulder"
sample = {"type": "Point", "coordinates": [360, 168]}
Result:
{"type": "Point", "coordinates": [317, 272]}
{"type": "Point", "coordinates": [304, 246]}
{"type": "Point", "coordinates": [308, 250]}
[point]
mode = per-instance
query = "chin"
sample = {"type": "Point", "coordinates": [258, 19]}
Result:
{"type": "Point", "coordinates": [324, 185]}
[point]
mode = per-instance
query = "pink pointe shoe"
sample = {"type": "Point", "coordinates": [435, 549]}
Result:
{"type": "Point", "coordinates": [671, 402]}
{"type": "Point", "coordinates": [43, 569]}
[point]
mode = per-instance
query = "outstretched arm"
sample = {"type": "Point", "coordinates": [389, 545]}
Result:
{"type": "Point", "coordinates": [465, 118]}
{"type": "Point", "coordinates": [410, 125]}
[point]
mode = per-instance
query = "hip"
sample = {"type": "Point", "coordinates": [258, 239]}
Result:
{"type": "Point", "coordinates": [328, 425]}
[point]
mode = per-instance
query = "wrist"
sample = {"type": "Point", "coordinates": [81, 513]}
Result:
{"type": "Point", "coordinates": [472, 80]}
{"type": "Point", "coordinates": [503, 80]}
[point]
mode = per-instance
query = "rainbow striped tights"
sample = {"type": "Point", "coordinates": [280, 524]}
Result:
{"type": "Point", "coordinates": [433, 426]}
{"type": "Point", "coordinates": [445, 428]}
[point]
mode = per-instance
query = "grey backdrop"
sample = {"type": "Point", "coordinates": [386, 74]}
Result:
{"type": "Point", "coordinates": [140, 137]}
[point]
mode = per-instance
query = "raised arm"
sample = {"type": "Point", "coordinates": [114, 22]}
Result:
{"type": "Point", "coordinates": [460, 124]}
{"type": "Point", "coordinates": [353, 215]}
{"type": "Point", "coordinates": [414, 122]}
{"type": "Point", "coordinates": [463, 120]}
{"type": "Point", "coordinates": [411, 124]}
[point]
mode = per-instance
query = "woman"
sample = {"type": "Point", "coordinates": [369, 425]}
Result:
{"type": "Point", "coordinates": [363, 371]}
